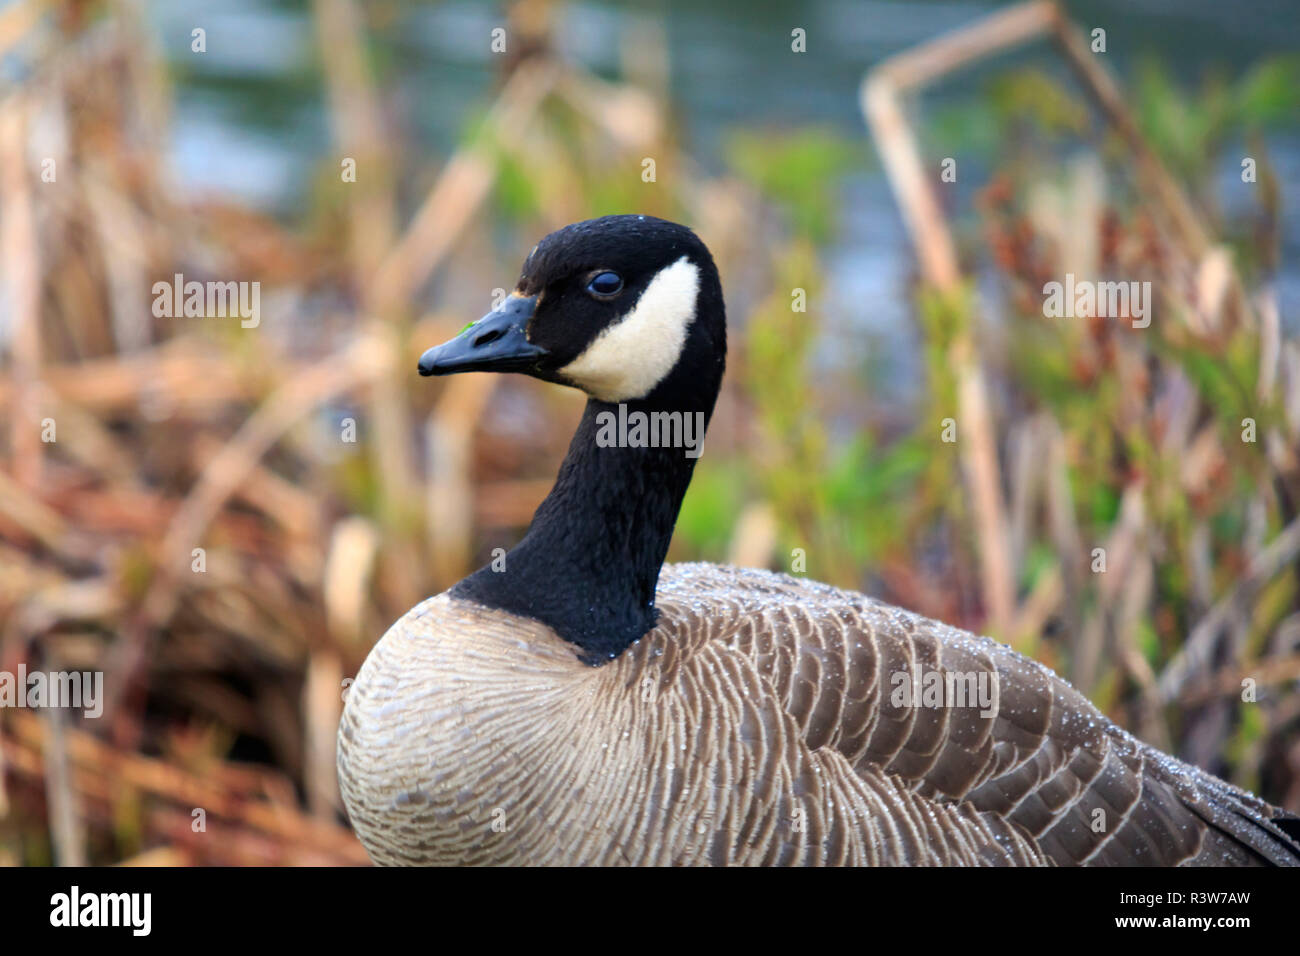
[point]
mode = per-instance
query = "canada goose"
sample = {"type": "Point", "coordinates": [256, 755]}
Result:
{"type": "Point", "coordinates": [589, 705]}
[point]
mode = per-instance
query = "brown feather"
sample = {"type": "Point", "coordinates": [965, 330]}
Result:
{"type": "Point", "coordinates": [756, 725]}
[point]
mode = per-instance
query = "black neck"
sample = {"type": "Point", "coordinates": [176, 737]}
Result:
{"type": "Point", "coordinates": [589, 564]}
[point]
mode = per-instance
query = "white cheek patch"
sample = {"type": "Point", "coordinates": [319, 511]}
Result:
{"type": "Point", "coordinates": [628, 359]}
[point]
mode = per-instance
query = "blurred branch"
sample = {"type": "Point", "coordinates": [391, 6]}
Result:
{"type": "Point", "coordinates": [1194, 657]}
{"type": "Point", "coordinates": [461, 189]}
{"type": "Point", "coordinates": [882, 89]}
{"type": "Point", "coordinates": [98, 771]}
{"type": "Point", "coordinates": [20, 250]}
{"type": "Point", "coordinates": [357, 365]}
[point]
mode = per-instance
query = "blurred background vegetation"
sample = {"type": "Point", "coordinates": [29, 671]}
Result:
{"type": "Point", "coordinates": [224, 686]}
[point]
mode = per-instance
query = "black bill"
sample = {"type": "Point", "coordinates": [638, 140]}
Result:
{"type": "Point", "coordinates": [495, 343]}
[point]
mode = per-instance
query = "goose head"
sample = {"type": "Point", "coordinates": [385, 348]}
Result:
{"type": "Point", "coordinates": [624, 308]}
{"type": "Point", "coordinates": [629, 310]}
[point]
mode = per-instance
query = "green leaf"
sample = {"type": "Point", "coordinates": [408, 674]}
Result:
{"type": "Point", "coordinates": [1270, 93]}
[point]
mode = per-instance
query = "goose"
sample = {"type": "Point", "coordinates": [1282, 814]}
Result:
{"type": "Point", "coordinates": [581, 703]}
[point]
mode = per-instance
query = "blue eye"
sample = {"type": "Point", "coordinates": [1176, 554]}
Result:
{"type": "Point", "coordinates": [606, 284]}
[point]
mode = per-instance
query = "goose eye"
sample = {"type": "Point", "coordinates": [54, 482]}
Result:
{"type": "Point", "coordinates": [606, 284]}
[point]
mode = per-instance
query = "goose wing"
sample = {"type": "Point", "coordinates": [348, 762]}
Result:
{"type": "Point", "coordinates": [970, 749]}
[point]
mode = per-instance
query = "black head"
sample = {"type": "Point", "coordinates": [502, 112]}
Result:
{"type": "Point", "coordinates": [621, 307]}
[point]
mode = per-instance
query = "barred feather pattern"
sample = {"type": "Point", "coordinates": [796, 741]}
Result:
{"type": "Point", "coordinates": [760, 723]}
